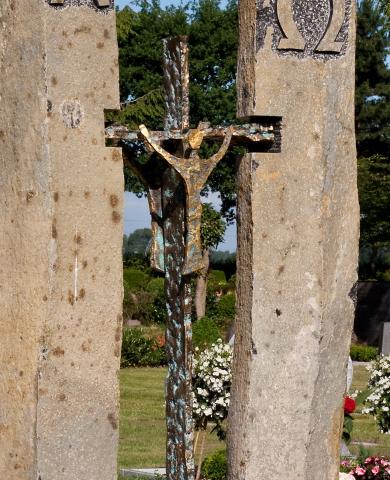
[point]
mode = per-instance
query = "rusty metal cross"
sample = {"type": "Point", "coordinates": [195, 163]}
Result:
{"type": "Point", "coordinates": [174, 176]}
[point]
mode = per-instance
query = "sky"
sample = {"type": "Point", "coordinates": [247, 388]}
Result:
{"type": "Point", "coordinates": [136, 209]}
{"type": "Point", "coordinates": [136, 215]}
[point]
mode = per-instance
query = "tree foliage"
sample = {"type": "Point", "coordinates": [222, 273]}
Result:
{"type": "Point", "coordinates": [136, 244]}
{"type": "Point", "coordinates": [372, 80]}
{"type": "Point", "coordinates": [213, 227]}
{"type": "Point", "coordinates": [373, 136]}
{"type": "Point", "coordinates": [213, 40]}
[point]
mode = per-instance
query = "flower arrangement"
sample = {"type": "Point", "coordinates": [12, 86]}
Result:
{"type": "Point", "coordinates": [373, 468]}
{"type": "Point", "coordinates": [378, 402]}
{"type": "Point", "coordinates": [211, 382]}
{"type": "Point", "coordinates": [349, 408]}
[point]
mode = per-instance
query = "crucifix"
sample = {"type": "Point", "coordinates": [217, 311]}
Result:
{"type": "Point", "coordinates": [174, 176]}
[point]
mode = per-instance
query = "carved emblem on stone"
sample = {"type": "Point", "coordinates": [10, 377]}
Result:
{"type": "Point", "coordinates": [304, 27]}
{"type": "Point", "coordinates": [100, 4]}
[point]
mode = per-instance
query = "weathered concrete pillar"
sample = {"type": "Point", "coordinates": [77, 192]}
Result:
{"type": "Point", "coordinates": [60, 241]}
{"type": "Point", "coordinates": [298, 240]}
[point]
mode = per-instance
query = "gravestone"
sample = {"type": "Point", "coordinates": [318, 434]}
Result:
{"type": "Point", "coordinates": [60, 244]}
{"type": "Point", "coordinates": [298, 220]}
{"type": "Point", "coordinates": [385, 347]}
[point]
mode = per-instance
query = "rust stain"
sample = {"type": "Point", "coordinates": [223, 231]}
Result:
{"type": "Point", "coordinates": [58, 352]}
{"type": "Point", "coordinates": [87, 194]}
{"type": "Point", "coordinates": [62, 397]}
{"type": "Point", "coordinates": [116, 155]}
{"type": "Point", "coordinates": [54, 232]}
{"type": "Point", "coordinates": [106, 33]}
{"type": "Point", "coordinates": [85, 264]}
{"type": "Point", "coordinates": [77, 238]}
{"type": "Point", "coordinates": [56, 196]}
{"type": "Point", "coordinates": [113, 421]}
{"type": "Point", "coordinates": [116, 217]}
{"type": "Point", "coordinates": [82, 29]}
{"type": "Point", "coordinates": [281, 269]}
{"type": "Point", "coordinates": [82, 293]}
{"type": "Point", "coordinates": [71, 298]}
{"type": "Point", "coordinates": [100, 45]}
{"type": "Point", "coordinates": [118, 334]}
{"type": "Point", "coordinates": [114, 200]}
{"type": "Point", "coordinates": [54, 81]}
{"type": "Point", "coordinates": [30, 195]}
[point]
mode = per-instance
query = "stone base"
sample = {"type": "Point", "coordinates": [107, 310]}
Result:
{"type": "Point", "coordinates": [142, 472]}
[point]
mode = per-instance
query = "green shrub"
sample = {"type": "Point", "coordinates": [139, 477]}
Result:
{"type": "Point", "coordinates": [226, 307]}
{"type": "Point", "coordinates": [217, 276]}
{"type": "Point", "coordinates": [214, 466]}
{"type": "Point", "coordinates": [363, 353]}
{"type": "Point", "coordinates": [156, 286]}
{"type": "Point", "coordinates": [134, 279]}
{"type": "Point", "coordinates": [140, 351]}
{"type": "Point", "coordinates": [204, 332]}
{"type": "Point", "coordinates": [159, 305]}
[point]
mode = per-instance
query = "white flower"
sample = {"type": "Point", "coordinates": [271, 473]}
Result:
{"type": "Point", "coordinates": [211, 383]}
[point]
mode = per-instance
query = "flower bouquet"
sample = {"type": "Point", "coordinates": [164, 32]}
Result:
{"type": "Point", "coordinates": [373, 468]}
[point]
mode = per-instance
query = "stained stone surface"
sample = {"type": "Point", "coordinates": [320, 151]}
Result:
{"type": "Point", "coordinates": [60, 245]}
{"type": "Point", "coordinates": [297, 242]}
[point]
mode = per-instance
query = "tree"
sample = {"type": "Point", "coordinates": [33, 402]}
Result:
{"type": "Point", "coordinates": [136, 244]}
{"type": "Point", "coordinates": [373, 137]}
{"type": "Point", "coordinates": [372, 81]}
{"type": "Point", "coordinates": [212, 232]}
{"type": "Point", "coordinates": [374, 196]}
{"type": "Point", "coordinates": [213, 39]}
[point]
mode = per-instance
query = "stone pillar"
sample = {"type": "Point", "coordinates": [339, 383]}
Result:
{"type": "Point", "coordinates": [61, 206]}
{"type": "Point", "coordinates": [298, 240]}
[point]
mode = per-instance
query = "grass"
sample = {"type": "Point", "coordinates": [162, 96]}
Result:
{"type": "Point", "coordinates": [142, 419]}
{"type": "Point", "coordinates": [364, 426]}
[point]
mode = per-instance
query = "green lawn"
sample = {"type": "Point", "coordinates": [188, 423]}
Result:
{"type": "Point", "coordinates": [142, 420]}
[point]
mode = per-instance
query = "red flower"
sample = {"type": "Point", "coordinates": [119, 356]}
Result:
{"type": "Point", "coordinates": [349, 405]}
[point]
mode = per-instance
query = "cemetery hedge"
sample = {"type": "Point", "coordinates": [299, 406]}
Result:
{"type": "Point", "coordinates": [214, 466]}
{"type": "Point", "coordinates": [140, 350]}
{"type": "Point", "coordinates": [363, 353]}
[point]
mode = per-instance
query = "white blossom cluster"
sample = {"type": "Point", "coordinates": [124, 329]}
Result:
{"type": "Point", "coordinates": [379, 399]}
{"type": "Point", "coordinates": [211, 380]}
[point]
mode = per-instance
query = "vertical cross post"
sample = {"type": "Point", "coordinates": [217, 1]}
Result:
{"type": "Point", "coordinates": [180, 463]}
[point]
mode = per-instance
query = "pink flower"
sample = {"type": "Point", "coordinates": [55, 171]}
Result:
{"type": "Point", "coordinates": [360, 471]}
{"type": "Point", "coordinates": [345, 463]}
{"type": "Point", "coordinates": [368, 460]}
{"type": "Point", "coordinates": [375, 470]}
